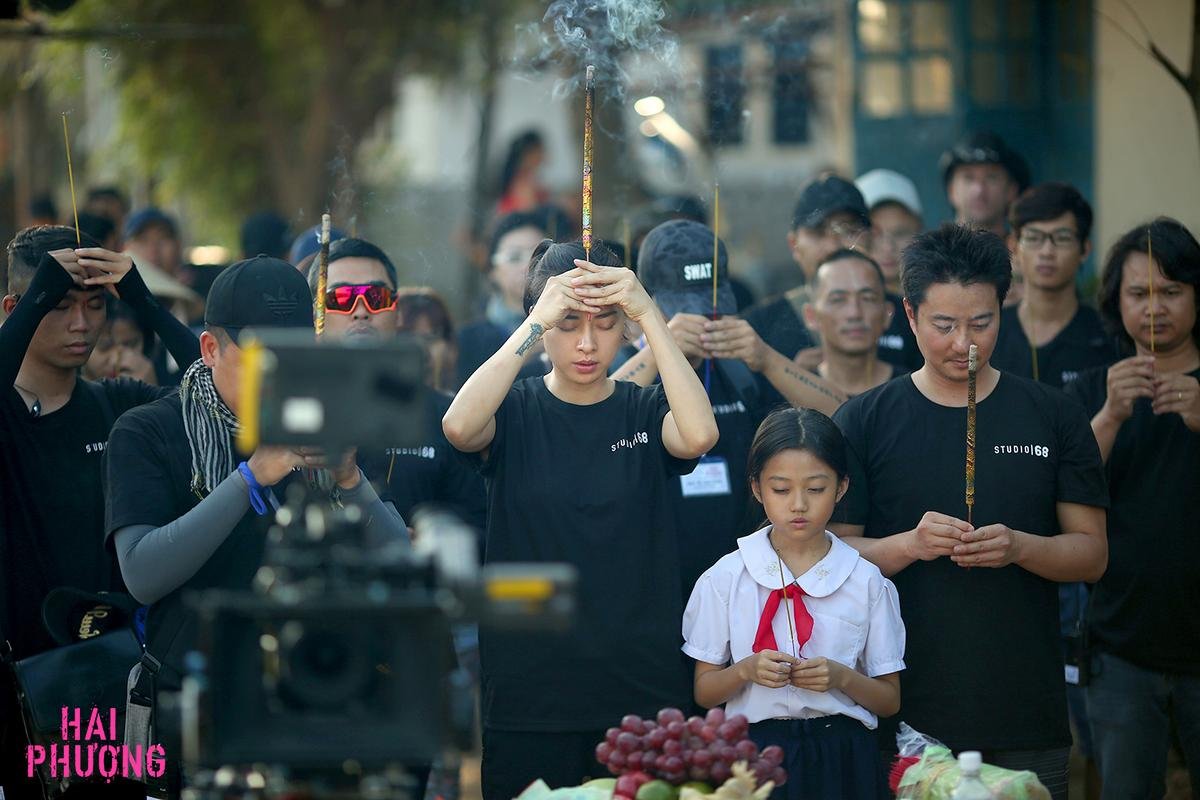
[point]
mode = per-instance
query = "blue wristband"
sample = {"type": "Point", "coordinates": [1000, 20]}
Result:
{"type": "Point", "coordinates": [257, 493]}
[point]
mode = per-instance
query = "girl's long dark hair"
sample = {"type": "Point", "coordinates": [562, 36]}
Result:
{"type": "Point", "coordinates": [797, 429]}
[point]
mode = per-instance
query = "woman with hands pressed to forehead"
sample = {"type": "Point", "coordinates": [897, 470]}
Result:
{"type": "Point", "coordinates": [577, 466]}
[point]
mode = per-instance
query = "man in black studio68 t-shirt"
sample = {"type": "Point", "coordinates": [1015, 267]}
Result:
{"type": "Point", "coordinates": [53, 431]}
{"type": "Point", "coordinates": [985, 670]}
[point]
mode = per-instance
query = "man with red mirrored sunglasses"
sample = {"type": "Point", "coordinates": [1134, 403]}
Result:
{"type": "Point", "coordinates": [360, 303]}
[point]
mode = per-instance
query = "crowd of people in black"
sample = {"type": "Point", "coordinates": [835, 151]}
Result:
{"type": "Point", "coordinates": [701, 459]}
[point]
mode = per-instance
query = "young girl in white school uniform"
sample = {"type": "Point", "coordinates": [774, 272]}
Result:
{"type": "Point", "coordinates": [812, 672]}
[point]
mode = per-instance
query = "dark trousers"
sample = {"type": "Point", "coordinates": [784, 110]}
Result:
{"type": "Point", "coordinates": [1130, 710]}
{"type": "Point", "coordinates": [514, 759]}
{"type": "Point", "coordinates": [827, 758]}
{"type": "Point", "coordinates": [1049, 765]}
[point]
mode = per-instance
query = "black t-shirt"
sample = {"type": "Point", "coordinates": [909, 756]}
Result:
{"type": "Point", "coordinates": [984, 661]}
{"type": "Point", "coordinates": [432, 472]}
{"type": "Point", "coordinates": [149, 476]}
{"type": "Point", "coordinates": [779, 325]}
{"type": "Point", "coordinates": [480, 340]}
{"type": "Point", "coordinates": [713, 503]}
{"type": "Point", "coordinates": [53, 500]}
{"type": "Point", "coordinates": [1146, 608]}
{"type": "Point", "coordinates": [586, 485]}
{"type": "Point", "coordinates": [1081, 345]}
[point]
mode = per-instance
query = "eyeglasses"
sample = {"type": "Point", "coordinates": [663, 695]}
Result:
{"type": "Point", "coordinates": [1062, 238]}
{"type": "Point", "coordinates": [342, 299]}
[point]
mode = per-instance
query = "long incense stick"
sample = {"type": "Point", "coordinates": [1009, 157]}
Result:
{"type": "Point", "coordinates": [787, 611]}
{"type": "Point", "coordinates": [716, 252]}
{"type": "Point", "coordinates": [71, 180]}
{"type": "Point", "coordinates": [1150, 275]}
{"type": "Point", "coordinates": [322, 276]}
{"type": "Point", "coordinates": [972, 369]}
{"type": "Point", "coordinates": [589, 97]}
{"type": "Point", "coordinates": [628, 241]}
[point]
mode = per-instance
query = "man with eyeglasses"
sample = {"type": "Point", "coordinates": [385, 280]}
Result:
{"type": "Point", "coordinates": [830, 215]}
{"type": "Point", "coordinates": [1050, 336]}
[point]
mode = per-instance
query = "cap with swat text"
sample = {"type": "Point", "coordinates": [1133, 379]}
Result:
{"type": "Point", "coordinates": [675, 264]}
{"type": "Point", "coordinates": [260, 292]}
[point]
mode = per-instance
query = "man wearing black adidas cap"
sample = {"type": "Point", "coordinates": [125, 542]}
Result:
{"type": "Point", "coordinates": [744, 379]}
{"type": "Point", "coordinates": [830, 215]}
{"type": "Point", "coordinates": [185, 513]}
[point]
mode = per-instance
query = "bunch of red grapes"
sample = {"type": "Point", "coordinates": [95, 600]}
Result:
{"type": "Point", "coordinates": [677, 749]}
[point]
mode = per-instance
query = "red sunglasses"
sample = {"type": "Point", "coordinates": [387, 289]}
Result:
{"type": "Point", "coordinates": [342, 299]}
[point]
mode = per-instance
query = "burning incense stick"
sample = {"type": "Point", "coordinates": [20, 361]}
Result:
{"type": "Point", "coordinates": [716, 253]}
{"type": "Point", "coordinates": [589, 98]}
{"type": "Point", "coordinates": [787, 611]}
{"type": "Point", "coordinates": [716, 241]}
{"type": "Point", "coordinates": [1150, 276]}
{"type": "Point", "coordinates": [71, 180]}
{"type": "Point", "coordinates": [972, 369]}
{"type": "Point", "coordinates": [628, 241]}
{"type": "Point", "coordinates": [322, 276]}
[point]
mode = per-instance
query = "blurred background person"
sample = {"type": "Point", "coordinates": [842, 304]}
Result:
{"type": "Point", "coordinates": [521, 186]}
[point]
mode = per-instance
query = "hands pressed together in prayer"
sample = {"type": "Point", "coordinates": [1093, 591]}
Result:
{"type": "Point", "coordinates": [730, 338]}
{"type": "Point", "coordinates": [774, 670]}
{"type": "Point", "coordinates": [94, 266]}
{"type": "Point", "coordinates": [938, 535]}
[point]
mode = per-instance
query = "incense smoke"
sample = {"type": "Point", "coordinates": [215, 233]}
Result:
{"type": "Point", "coordinates": [599, 32]}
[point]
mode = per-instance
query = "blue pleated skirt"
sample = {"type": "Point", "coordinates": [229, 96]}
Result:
{"type": "Point", "coordinates": [827, 758]}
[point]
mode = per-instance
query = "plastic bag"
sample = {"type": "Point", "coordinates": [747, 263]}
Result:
{"type": "Point", "coordinates": [927, 770]}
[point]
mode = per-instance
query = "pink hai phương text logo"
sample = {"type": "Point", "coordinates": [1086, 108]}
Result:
{"type": "Point", "coordinates": [94, 750]}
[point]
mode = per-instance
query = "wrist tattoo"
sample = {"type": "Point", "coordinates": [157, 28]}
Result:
{"type": "Point", "coordinates": [535, 333]}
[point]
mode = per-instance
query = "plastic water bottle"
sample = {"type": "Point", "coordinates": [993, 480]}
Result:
{"type": "Point", "coordinates": [970, 786]}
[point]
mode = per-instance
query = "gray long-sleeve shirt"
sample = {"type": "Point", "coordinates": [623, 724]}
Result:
{"type": "Point", "coordinates": [156, 561]}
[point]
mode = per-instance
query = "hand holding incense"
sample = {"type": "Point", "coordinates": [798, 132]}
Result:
{"type": "Point", "coordinates": [322, 276]}
{"type": "Point", "coordinates": [972, 369]}
{"type": "Point", "coordinates": [589, 97]}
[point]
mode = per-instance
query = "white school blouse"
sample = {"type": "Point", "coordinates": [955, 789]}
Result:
{"type": "Point", "coordinates": [856, 621]}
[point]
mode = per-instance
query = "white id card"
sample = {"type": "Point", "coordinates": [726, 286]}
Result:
{"type": "Point", "coordinates": [1072, 674]}
{"type": "Point", "coordinates": [709, 478]}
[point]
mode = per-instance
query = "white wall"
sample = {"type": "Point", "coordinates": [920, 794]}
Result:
{"type": "Point", "coordinates": [1147, 143]}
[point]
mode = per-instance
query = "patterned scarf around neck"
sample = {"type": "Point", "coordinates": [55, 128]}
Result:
{"type": "Point", "coordinates": [211, 427]}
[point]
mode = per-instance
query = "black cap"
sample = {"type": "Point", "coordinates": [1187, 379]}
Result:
{"type": "Point", "coordinates": [267, 233]}
{"type": "Point", "coordinates": [826, 196]}
{"type": "Point", "coordinates": [675, 265]}
{"type": "Point", "coordinates": [72, 615]}
{"type": "Point", "coordinates": [985, 147]}
{"type": "Point", "coordinates": [260, 292]}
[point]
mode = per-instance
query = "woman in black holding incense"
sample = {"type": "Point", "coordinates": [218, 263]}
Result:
{"type": "Point", "coordinates": [577, 466]}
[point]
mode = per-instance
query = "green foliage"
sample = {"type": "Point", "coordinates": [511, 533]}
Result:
{"type": "Point", "coordinates": [238, 106]}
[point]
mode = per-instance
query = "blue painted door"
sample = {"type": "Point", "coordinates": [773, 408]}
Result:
{"type": "Point", "coordinates": [926, 71]}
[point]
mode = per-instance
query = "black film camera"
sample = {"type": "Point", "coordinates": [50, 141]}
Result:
{"type": "Point", "coordinates": [339, 665]}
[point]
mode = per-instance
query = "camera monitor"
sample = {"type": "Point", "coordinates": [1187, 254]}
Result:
{"type": "Point", "coordinates": [301, 392]}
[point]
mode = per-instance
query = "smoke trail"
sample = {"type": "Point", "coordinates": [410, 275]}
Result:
{"type": "Point", "coordinates": [599, 32]}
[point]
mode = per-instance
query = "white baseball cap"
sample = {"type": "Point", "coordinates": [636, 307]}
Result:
{"type": "Point", "coordinates": [884, 185]}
